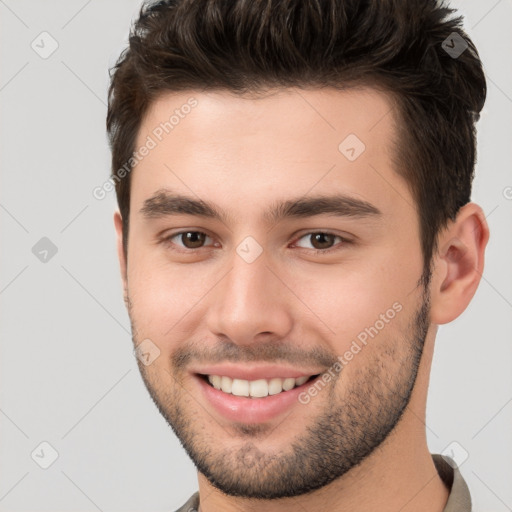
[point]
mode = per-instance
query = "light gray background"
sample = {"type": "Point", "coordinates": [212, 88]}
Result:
{"type": "Point", "coordinates": [68, 375]}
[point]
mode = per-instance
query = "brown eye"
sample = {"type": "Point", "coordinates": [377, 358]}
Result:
{"type": "Point", "coordinates": [322, 242]}
{"type": "Point", "coordinates": [192, 239]}
{"type": "Point", "coordinates": [186, 240]}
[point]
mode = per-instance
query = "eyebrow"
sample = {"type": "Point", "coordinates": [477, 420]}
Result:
{"type": "Point", "coordinates": [166, 203]}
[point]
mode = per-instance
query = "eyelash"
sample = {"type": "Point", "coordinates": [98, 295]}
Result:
{"type": "Point", "coordinates": [343, 241]}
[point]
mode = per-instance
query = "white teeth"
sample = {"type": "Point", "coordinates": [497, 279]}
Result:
{"type": "Point", "coordinates": [288, 384]}
{"type": "Point", "coordinates": [254, 388]}
{"type": "Point", "coordinates": [301, 380]}
{"type": "Point", "coordinates": [258, 388]}
{"type": "Point", "coordinates": [226, 384]}
{"type": "Point", "coordinates": [239, 387]}
{"type": "Point", "coordinates": [275, 386]}
{"type": "Point", "coordinates": [215, 381]}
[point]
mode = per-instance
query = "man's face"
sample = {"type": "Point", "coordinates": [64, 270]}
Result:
{"type": "Point", "coordinates": [256, 296]}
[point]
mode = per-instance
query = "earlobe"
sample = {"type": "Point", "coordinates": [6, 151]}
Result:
{"type": "Point", "coordinates": [459, 264]}
{"type": "Point", "coordinates": [118, 224]}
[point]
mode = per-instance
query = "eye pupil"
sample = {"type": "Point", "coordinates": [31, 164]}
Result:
{"type": "Point", "coordinates": [193, 239]}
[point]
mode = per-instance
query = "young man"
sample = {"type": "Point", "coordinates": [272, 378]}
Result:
{"type": "Point", "coordinates": [294, 222]}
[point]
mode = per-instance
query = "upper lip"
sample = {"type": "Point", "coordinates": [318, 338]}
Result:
{"type": "Point", "coordinates": [255, 372]}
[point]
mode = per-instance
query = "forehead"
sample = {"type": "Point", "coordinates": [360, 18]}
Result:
{"type": "Point", "coordinates": [288, 141]}
{"type": "Point", "coordinates": [311, 112]}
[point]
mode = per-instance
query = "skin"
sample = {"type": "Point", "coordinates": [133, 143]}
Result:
{"type": "Point", "coordinates": [243, 154]}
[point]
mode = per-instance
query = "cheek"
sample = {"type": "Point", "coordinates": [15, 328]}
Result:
{"type": "Point", "coordinates": [365, 302]}
{"type": "Point", "coordinates": [164, 296]}
{"type": "Point", "coordinates": [156, 296]}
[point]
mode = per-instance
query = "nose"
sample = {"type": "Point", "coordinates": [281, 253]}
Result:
{"type": "Point", "coordinates": [250, 303]}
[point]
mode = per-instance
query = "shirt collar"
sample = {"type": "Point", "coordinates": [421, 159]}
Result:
{"type": "Point", "coordinates": [459, 499]}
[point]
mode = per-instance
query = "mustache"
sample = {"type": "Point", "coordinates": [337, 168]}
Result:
{"type": "Point", "coordinates": [268, 352]}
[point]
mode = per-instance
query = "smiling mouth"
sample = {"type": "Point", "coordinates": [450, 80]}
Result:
{"type": "Point", "coordinates": [259, 388]}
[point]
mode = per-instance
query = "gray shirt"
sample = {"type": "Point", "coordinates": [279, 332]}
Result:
{"type": "Point", "coordinates": [459, 499]}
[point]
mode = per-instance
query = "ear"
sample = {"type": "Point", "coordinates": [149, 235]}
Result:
{"type": "Point", "coordinates": [458, 264]}
{"type": "Point", "coordinates": [118, 223]}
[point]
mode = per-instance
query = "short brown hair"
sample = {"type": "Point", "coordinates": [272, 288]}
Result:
{"type": "Point", "coordinates": [397, 46]}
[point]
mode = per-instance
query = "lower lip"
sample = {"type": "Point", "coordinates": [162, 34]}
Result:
{"type": "Point", "coordinates": [251, 410]}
